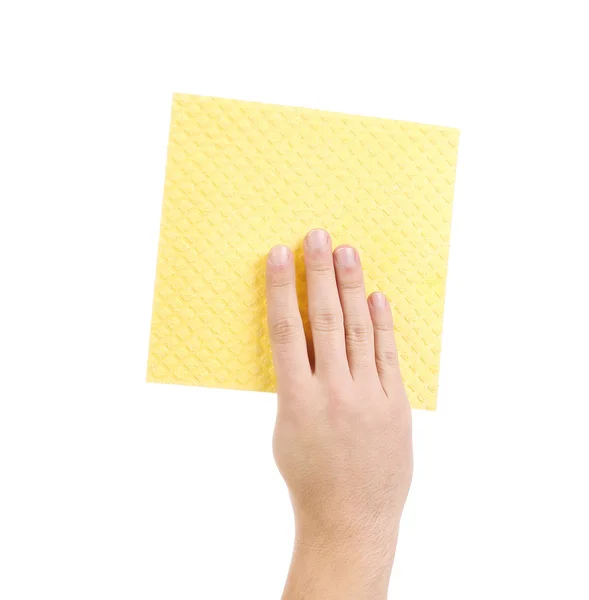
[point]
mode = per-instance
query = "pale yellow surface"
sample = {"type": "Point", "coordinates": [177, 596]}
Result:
{"type": "Point", "coordinates": [242, 177]}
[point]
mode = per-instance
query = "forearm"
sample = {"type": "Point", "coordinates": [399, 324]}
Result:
{"type": "Point", "coordinates": [354, 572]}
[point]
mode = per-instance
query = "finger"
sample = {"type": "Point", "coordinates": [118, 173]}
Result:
{"type": "Point", "coordinates": [385, 348]}
{"type": "Point", "coordinates": [357, 322]}
{"type": "Point", "coordinates": [325, 311]}
{"type": "Point", "coordinates": [285, 326]}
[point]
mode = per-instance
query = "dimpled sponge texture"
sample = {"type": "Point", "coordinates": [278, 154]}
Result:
{"type": "Point", "coordinates": [242, 177]}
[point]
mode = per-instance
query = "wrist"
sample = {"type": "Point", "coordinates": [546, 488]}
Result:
{"type": "Point", "coordinates": [332, 573]}
{"type": "Point", "coordinates": [325, 568]}
{"type": "Point", "coordinates": [346, 535]}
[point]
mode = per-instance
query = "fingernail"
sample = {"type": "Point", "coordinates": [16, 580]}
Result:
{"type": "Point", "coordinates": [378, 300]}
{"type": "Point", "coordinates": [316, 238]}
{"type": "Point", "coordinates": [345, 256]}
{"type": "Point", "coordinates": [278, 256]}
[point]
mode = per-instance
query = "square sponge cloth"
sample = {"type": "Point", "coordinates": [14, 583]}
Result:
{"type": "Point", "coordinates": [242, 177]}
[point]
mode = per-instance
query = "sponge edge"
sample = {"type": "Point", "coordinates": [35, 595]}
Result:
{"type": "Point", "coordinates": [242, 177]}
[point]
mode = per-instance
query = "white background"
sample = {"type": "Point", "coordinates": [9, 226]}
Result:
{"type": "Point", "coordinates": [114, 488]}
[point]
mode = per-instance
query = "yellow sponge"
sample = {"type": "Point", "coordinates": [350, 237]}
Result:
{"type": "Point", "coordinates": [242, 177]}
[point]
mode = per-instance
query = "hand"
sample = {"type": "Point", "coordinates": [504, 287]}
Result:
{"type": "Point", "coordinates": [342, 439]}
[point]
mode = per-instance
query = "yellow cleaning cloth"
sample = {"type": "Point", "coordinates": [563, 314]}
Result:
{"type": "Point", "coordinates": [242, 177]}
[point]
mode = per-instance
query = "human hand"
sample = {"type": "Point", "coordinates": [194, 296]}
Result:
{"type": "Point", "coordinates": [342, 440]}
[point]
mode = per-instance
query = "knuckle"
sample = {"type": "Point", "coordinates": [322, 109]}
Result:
{"type": "Point", "coordinates": [327, 322]}
{"type": "Point", "coordinates": [352, 285]}
{"type": "Point", "coordinates": [400, 417]}
{"type": "Point", "coordinates": [321, 268]}
{"type": "Point", "coordinates": [358, 333]}
{"type": "Point", "coordinates": [285, 329]}
{"type": "Point", "coordinates": [387, 357]}
{"type": "Point", "coordinates": [337, 397]}
{"type": "Point", "coordinates": [338, 390]}
{"type": "Point", "coordinates": [281, 280]}
{"type": "Point", "coordinates": [386, 328]}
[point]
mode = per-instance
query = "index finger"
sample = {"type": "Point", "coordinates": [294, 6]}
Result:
{"type": "Point", "coordinates": [285, 326]}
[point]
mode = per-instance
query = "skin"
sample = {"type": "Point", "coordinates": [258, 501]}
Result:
{"type": "Point", "coordinates": [342, 440]}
